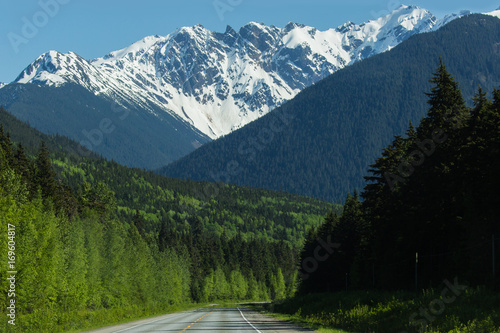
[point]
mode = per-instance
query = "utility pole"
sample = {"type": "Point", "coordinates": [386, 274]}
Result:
{"type": "Point", "coordinates": [493, 254]}
{"type": "Point", "coordinates": [373, 275]}
{"type": "Point", "coordinates": [416, 271]}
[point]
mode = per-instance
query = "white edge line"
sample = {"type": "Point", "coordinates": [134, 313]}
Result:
{"type": "Point", "coordinates": [249, 323]}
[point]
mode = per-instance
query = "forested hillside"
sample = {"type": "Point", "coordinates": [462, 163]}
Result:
{"type": "Point", "coordinates": [320, 143]}
{"type": "Point", "coordinates": [103, 125]}
{"type": "Point", "coordinates": [84, 255]}
{"type": "Point", "coordinates": [419, 251]}
{"type": "Point", "coordinates": [433, 191]}
{"type": "Point", "coordinates": [255, 213]}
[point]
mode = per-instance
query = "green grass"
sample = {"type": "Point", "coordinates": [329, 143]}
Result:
{"type": "Point", "coordinates": [473, 310]}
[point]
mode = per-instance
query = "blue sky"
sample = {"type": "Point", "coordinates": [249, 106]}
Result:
{"type": "Point", "coordinates": [93, 28]}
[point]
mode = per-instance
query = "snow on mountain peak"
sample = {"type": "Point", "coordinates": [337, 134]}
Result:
{"type": "Point", "coordinates": [132, 50]}
{"type": "Point", "coordinates": [345, 27]}
{"type": "Point", "coordinates": [218, 82]}
{"type": "Point", "coordinates": [450, 17]}
{"type": "Point", "coordinates": [49, 68]}
{"type": "Point", "coordinates": [408, 17]}
{"type": "Point", "coordinates": [253, 24]}
{"type": "Point", "coordinates": [495, 13]}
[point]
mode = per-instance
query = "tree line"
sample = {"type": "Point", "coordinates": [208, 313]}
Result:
{"type": "Point", "coordinates": [76, 259]}
{"type": "Point", "coordinates": [331, 131]}
{"type": "Point", "coordinates": [429, 210]}
{"type": "Point", "coordinates": [221, 208]}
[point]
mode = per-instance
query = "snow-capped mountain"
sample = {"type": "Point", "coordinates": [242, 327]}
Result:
{"type": "Point", "coordinates": [495, 13]}
{"type": "Point", "coordinates": [2, 85]}
{"type": "Point", "coordinates": [450, 17]}
{"type": "Point", "coordinates": [218, 82]}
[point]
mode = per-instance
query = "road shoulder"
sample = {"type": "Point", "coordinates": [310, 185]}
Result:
{"type": "Point", "coordinates": [267, 323]}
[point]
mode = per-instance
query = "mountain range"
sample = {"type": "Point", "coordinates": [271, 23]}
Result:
{"type": "Point", "coordinates": [322, 142]}
{"type": "Point", "coordinates": [194, 85]}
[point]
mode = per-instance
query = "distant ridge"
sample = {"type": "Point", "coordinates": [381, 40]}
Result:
{"type": "Point", "coordinates": [218, 82]}
{"type": "Point", "coordinates": [337, 127]}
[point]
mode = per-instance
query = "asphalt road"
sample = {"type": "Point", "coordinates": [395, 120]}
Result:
{"type": "Point", "coordinates": [208, 320]}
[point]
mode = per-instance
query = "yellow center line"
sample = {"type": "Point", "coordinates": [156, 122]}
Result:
{"type": "Point", "coordinates": [196, 321]}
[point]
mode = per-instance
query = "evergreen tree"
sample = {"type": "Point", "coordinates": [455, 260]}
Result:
{"type": "Point", "coordinates": [45, 176]}
{"type": "Point", "coordinates": [139, 223]}
{"type": "Point", "coordinates": [21, 164]}
{"type": "Point", "coordinates": [253, 288]}
{"type": "Point", "coordinates": [94, 247]}
{"type": "Point", "coordinates": [280, 287]}
{"type": "Point", "coordinates": [73, 282]}
{"type": "Point", "coordinates": [239, 285]}
{"type": "Point", "coordinates": [222, 290]}
{"type": "Point", "coordinates": [6, 145]}
{"type": "Point", "coordinates": [447, 111]}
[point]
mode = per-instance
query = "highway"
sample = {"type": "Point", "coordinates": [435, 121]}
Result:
{"type": "Point", "coordinates": [207, 320]}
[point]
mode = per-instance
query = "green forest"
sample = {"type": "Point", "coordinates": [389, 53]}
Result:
{"type": "Point", "coordinates": [93, 242]}
{"type": "Point", "coordinates": [426, 223]}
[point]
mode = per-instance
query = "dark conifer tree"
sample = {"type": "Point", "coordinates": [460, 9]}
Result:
{"type": "Point", "coordinates": [6, 144]}
{"type": "Point", "coordinates": [447, 107]}
{"type": "Point", "coordinates": [45, 176]}
{"type": "Point", "coordinates": [21, 164]}
{"type": "Point", "coordinates": [139, 223]}
{"type": "Point", "coordinates": [163, 237]}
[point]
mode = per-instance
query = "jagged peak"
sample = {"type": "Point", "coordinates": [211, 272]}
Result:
{"type": "Point", "coordinates": [52, 54]}
{"type": "Point", "coordinates": [404, 9]}
{"type": "Point", "coordinates": [230, 31]}
{"type": "Point", "coordinates": [408, 8]}
{"type": "Point", "coordinates": [345, 27]}
{"type": "Point", "coordinates": [287, 59]}
{"type": "Point", "coordinates": [260, 25]}
{"type": "Point", "coordinates": [142, 44]}
{"type": "Point", "coordinates": [252, 27]}
{"type": "Point", "coordinates": [395, 15]}
{"type": "Point", "coordinates": [291, 26]}
{"type": "Point", "coordinates": [408, 17]}
{"type": "Point", "coordinates": [194, 30]}
{"type": "Point", "coordinates": [55, 57]}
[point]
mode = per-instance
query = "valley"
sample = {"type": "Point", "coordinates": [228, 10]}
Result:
{"type": "Point", "coordinates": [194, 85]}
{"type": "Point", "coordinates": [267, 179]}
